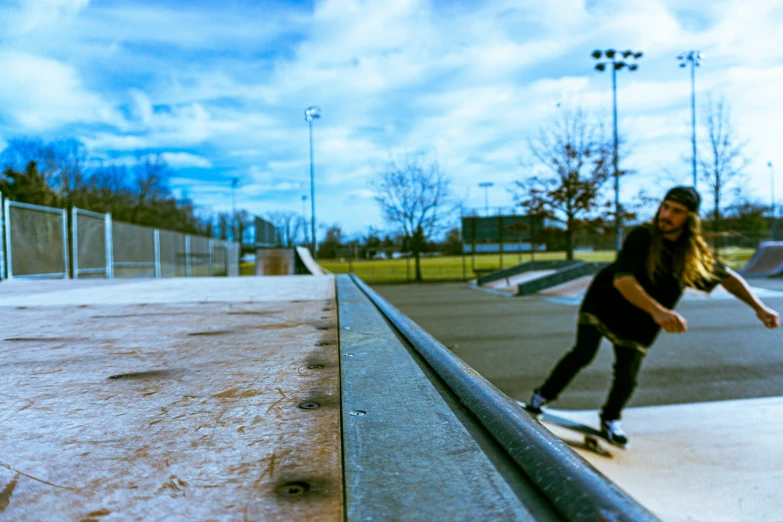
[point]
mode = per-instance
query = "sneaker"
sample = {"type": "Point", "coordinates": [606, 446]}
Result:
{"type": "Point", "coordinates": [614, 432]}
{"type": "Point", "coordinates": [535, 403]}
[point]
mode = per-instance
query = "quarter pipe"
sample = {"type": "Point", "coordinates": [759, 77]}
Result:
{"type": "Point", "coordinates": [766, 262]}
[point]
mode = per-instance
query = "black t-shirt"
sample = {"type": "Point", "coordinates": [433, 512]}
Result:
{"type": "Point", "coordinates": [621, 321]}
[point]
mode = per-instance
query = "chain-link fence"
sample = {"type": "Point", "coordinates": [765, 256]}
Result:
{"type": "Point", "coordinates": [135, 250]}
{"type": "Point", "coordinates": [172, 254]}
{"type": "Point", "coordinates": [219, 258]}
{"type": "Point", "coordinates": [35, 243]}
{"type": "Point", "coordinates": [2, 237]}
{"type": "Point", "coordinates": [91, 241]}
{"type": "Point", "coordinates": [200, 256]}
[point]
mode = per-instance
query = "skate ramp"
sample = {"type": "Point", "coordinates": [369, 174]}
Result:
{"type": "Point", "coordinates": [306, 260]}
{"type": "Point", "coordinates": [510, 283]}
{"type": "Point", "coordinates": [275, 262]}
{"type": "Point", "coordinates": [574, 291]}
{"type": "Point", "coordinates": [717, 462]}
{"type": "Point", "coordinates": [534, 276]}
{"type": "Point", "coordinates": [286, 261]}
{"type": "Point", "coordinates": [766, 262]}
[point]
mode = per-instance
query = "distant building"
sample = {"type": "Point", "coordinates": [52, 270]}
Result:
{"type": "Point", "coordinates": [266, 234]}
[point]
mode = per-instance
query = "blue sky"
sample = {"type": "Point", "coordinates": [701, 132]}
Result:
{"type": "Point", "coordinates": [220, 88]}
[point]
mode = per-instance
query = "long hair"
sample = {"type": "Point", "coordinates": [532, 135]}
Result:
{"type": "Point", "coordinates": [693, 262]}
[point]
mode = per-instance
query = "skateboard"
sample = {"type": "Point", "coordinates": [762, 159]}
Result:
{"type": "Point", "coordinates": [592, 436]}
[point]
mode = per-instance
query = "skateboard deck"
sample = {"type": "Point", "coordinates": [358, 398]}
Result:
{"type": "Point", "coordinates": [591, 435]}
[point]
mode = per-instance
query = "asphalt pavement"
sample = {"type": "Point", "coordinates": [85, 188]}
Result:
{"type": "Point", "coordinates": [515, 341]}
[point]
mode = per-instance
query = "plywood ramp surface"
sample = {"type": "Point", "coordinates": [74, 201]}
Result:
{"type": "Point", "coordinates": [170, 400]}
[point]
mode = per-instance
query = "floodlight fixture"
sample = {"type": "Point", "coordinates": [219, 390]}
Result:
{"type": "Point", "coordinates": [312, 113]}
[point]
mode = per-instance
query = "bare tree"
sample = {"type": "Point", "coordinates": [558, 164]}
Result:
{"type": "Point", "coordinates": [575, 156]}
{"type": "Point", "coordinates": [151, 179]}
{"type": "Point", "coordinates": [224, 224]}
{"type": "Point", "coordinates": [723, 164]}
{"type": "Point", "coordinates": [244, 220]}
{"type": "Point", "coordinates": [62, 164]}
{"type": "Point", "coordinates": [288, 225]}
{"type": "Point", "coordinates": [415, 196]}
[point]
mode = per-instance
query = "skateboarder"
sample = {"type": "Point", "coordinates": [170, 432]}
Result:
{"type": "Point", "coordinates": [630, 300]}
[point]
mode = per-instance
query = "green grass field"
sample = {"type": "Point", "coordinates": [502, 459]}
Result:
{"type": "Point", "coordinates": [454, 268]}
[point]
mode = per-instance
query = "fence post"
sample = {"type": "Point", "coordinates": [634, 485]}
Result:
{"type": "Point", "coordinates": [2, 239]}
{"type": "Point", "coordinates": [65, 241]}
{"type": "Point", "coordinates": [473, 245]}
{"type": "Point", "coordinates": [187, 256]}
{"type": "Point", "coordinates": [211, 258]}
{"type": "Point", "coordinates": [74, 246]}
{"type": "Point", "coordinates": [9, 256]}
{"type": "Point", "coordinates": [500, 239]}
{"type": "Point", "coordinates": [157, 254]}
{"type": "Point", "coordinates": [464, 267]}
{"type": "Point", "coordinates": [109, 247]}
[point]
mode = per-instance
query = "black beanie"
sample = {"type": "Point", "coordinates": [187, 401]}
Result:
{"type": "Point", "coordinates": [685, 196]}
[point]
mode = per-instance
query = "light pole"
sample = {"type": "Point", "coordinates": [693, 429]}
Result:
{"type": "Point", "coordinates": [695, 57]}
{"type": "Point", "coordinates": [485, 185]}
{"type": "Point", "coordinates": [616, 64]}
{"type": "Point", "coordinates": [312, 113]}
{"type": "Point", "coordinates": [304, 218]}
{"type": "Point", "coordinates": [234, 183]}
{"type": "Point", "coordinates": [772, 196]}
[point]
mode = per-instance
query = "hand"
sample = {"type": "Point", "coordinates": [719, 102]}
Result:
{"type": "Point", "coordinates": [670, 321]}
{"type": "Point", "coordinates": [769, 317]}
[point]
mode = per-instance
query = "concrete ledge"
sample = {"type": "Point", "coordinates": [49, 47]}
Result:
{"type": "Point", "coordinates": [410, 450]}
{"type": "Point", "coordinates": [561, 276]}
{"type": "Point", "coordinates": [524, 267]}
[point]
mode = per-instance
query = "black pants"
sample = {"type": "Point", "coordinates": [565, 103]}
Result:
{"type": "Point", "coordinates": [627, 362]}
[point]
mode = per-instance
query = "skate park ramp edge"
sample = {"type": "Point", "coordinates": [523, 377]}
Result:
{"type": "Point", "coordinates": [766, 262]}
{"type": "Point", "coordinates": [576, 491]}
{"type": "Point", "coordinates": [535, 276]}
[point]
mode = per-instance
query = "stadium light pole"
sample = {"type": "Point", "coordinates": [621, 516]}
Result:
{"type": "Point", "coordinates": [695, 58]}
{"type": "Point", "coordinates": [234, 183]}
{"type": "Point", "coordinates": [615, 61]}
{"type": "Point", "coordinates": [772, 197]}
{"type": "Point", "coordinates": [485, 185]}
{"type": "Point", "coordinates": [304, 218]}
{"type": "Point", "coordinates": [312, 113]}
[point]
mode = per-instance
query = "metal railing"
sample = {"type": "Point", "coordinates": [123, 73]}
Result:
{"type": "Point", "coordinates": [37, 242]}
{"type": "Point", "coordinates": [576, 489]}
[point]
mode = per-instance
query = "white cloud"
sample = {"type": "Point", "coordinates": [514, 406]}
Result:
{"type": "Point", "coordinates": [24, 16]}
{"type": "Point", "coordinates": [41, 93]}
{"type": "Point", "coordinates": [361, 194]}
{"type": "Point", "coordinates": [184, 159]}
{"type": "Point", "coordinates": [468, 83]}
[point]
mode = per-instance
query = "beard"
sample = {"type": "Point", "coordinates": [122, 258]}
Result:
{"type": "Point", "coordinates": [667, 227]}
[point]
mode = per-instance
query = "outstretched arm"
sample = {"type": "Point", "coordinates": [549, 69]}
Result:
{"type": "Point", "coordinates": [737, 286]}
{"type": "Point", "coordinates": [669, 320]}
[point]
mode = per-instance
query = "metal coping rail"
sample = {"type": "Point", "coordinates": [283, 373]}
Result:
{"type": "Point", "coordinates": [577, 490]}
